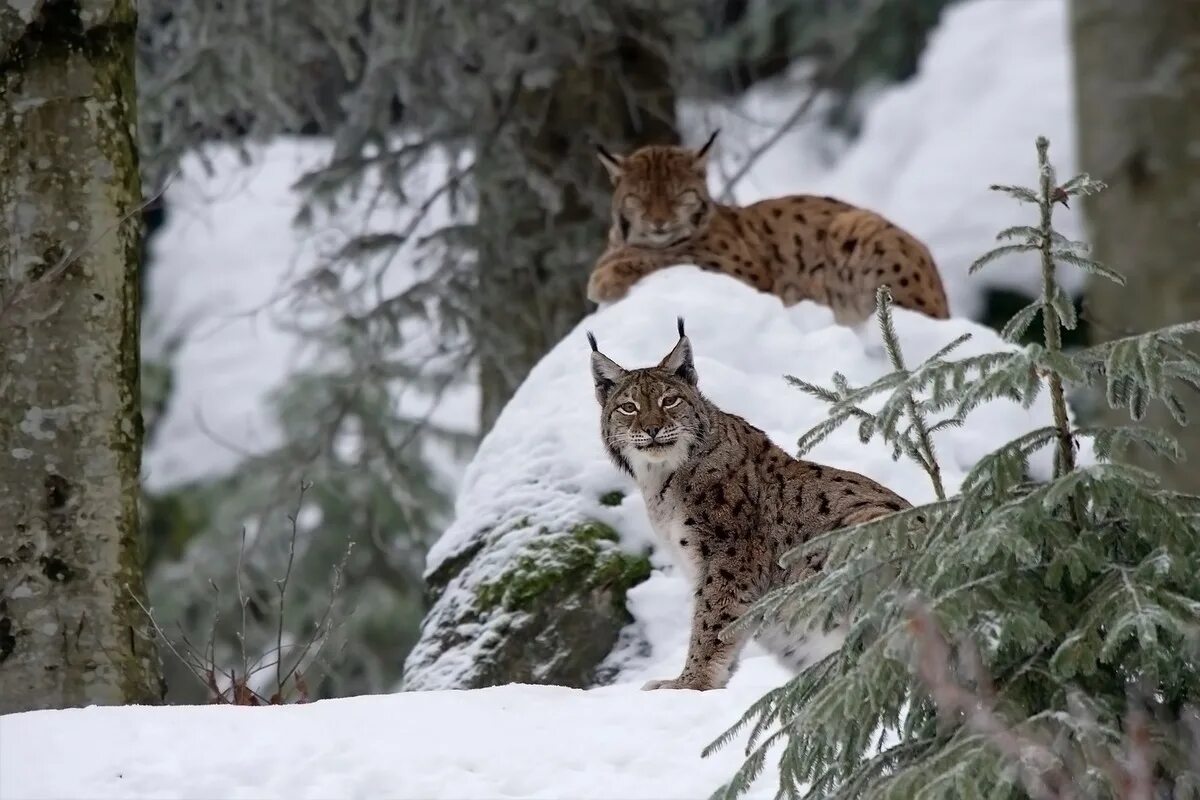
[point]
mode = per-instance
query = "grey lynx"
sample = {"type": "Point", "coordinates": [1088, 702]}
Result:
{"type": "Point", "coordinates": [724, 499]}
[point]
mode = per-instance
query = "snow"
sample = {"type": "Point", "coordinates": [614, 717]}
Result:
{"type": "Point", "coordinates": [515, 741]}
{"type": "Point", "coordinates": [995, 75]}
{"type": "Point", "coordinates": [543, 465]}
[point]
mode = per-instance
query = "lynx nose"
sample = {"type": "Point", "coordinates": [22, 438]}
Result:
{"type": "Point", "coordinates": [651, 431]}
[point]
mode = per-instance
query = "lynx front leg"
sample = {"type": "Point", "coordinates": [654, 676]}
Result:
{"type": "Point", "coordinates": [719, 601]}
{"type": "Point", "coordinates": [621, 268]}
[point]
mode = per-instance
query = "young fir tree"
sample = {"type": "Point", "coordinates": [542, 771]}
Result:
{"type": "Point", "coordinates": [1074, 603]}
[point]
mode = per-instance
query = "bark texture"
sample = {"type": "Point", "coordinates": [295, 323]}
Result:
{"type": "Point", "coordinates": [1137, 75]}
{"type": "Point", "coordinates": [70, 428]}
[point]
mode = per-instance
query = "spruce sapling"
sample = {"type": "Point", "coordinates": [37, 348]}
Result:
{"type": "Point", "coordinates": [1072, 606]}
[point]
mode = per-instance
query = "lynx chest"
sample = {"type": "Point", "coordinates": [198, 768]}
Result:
{"type": "Point", "coordinates": [669, 518]}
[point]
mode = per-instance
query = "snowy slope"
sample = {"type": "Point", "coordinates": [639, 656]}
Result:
{"type": "Point", "coordinates": [995, 75]}
{"type": "Point", "coordinates": [552, 474]}
{"type": "Point", "coordinates": [508, 742]}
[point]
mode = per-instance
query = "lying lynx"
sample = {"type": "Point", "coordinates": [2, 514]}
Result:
{"type": "Point", "coordinates": [725, 501]}
{"type": "Point", "coordinates": [800, 247]}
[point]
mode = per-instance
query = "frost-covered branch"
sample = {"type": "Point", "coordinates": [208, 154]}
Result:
{"type": "Point", "coordinates": [901, 387]}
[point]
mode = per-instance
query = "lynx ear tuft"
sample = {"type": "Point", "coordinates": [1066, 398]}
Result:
{"type": "Point", "coordinates": [606, 373]}
{"type": "Point", "coordinates": [679, 360]}
{"type": "Point", "coordinates": [612, 164]}
{"type": "Point", "coordinates": [700, 157]}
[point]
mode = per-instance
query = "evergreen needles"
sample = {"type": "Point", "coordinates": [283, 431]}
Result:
{"type": "Point", "coordinates": [1017, 638]}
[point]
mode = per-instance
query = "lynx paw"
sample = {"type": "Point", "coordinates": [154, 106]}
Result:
{"type": "Point", "coordinates": [676, 683]}
{"type": "Point", "coordinates": [606, 284]}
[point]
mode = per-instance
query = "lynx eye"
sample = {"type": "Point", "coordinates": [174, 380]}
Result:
{"type": "Point", "coordinates": [689, 198]}
{"type": "Point", "coordinates": [670, 401]}
{"type": "Point", "coordinates": [627, 408]}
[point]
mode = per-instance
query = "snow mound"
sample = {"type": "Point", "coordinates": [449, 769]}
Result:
{"type": "Point", "coordinates": [543, 465]}
{"type": "Point", "coordinates": [995, 75]}
{"type": "Point", "coordinates": [514, 741]}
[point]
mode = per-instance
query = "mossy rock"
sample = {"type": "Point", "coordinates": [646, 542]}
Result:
{"type": "Point", "coordinates": [551, 616]}
{"type": "Point", "coordinates": [575, 559]}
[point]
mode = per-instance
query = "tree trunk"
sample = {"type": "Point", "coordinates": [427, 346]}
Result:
{"type": "Point", "coordinates": [71, 632]}
{"type": "Point", "coordinates": [1137, 75]}
{"type": "Point", "coordinates": [544, 203]}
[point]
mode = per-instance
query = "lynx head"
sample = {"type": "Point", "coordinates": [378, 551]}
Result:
{"type": "Point", "coordinates": [650, 416]}
{"type": "Point", "coordinates": [660, 194]}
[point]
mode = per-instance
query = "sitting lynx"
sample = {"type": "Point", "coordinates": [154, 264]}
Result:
{"type": "Point", "coordinates": [800, 247]}
{"type": "Point", "coordinates": [724, 500]}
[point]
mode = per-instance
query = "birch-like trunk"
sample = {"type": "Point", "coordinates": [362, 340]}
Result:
{"type": "Point", "coordinates": [1137, 76]}
{"type": "Point", "coordinates": [70, 428]}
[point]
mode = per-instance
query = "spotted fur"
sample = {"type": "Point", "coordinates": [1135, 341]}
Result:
{"type": "Point", "coordinates": [726, 502]}
{"type": "Point", "coordinates": [799, 247]}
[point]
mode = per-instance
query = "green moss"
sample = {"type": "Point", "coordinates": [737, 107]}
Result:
{"type": "Point", "coordinates": [613, 498]}
{"type": "Point", "coordinates": [585, 557]}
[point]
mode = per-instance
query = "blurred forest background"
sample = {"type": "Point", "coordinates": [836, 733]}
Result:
{"type": "Point", "coordinates": [451, 206]}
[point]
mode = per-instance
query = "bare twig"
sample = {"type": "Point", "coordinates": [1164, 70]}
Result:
{"type": "Point", "coordinates": [323, 623]}
{"type": "Point", "coordinates": [282, 584]}
{"type": "Point", "coordinates": [201, 662]}
{"type": "Point", "coordinates": [243, 601]}
{"type": "Point", "coordinates": [166, 639]}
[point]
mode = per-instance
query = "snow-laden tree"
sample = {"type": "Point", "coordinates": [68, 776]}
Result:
{"type": "Point", "coordinates": [71, 632]}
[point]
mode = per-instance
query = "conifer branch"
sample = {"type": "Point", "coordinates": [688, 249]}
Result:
{"type": "Point", "coordinates": [924, 440]}
{"type": "Point", "coordinates": [1064, 461]}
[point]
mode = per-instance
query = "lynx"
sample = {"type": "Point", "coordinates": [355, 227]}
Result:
{"type": "Point", "coordinates": [725, 501]}
{"type": "Point", "coordinates": [800, 247]}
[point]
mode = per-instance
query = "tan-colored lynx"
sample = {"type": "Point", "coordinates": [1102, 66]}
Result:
{"type": "Point", "coordinates": [800, 247]}
{"type": "Point", "coordinates": [725, 501]}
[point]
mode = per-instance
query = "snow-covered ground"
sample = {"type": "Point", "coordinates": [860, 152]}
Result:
{"type": "Point", "coordinates": [508, 742]}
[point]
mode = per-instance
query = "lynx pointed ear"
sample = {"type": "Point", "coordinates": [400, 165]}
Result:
{"type": "Point", "coordinates": [700, 157]}
{"type": "Point", "coordinates": [612, 164]}
{"type": "Point", "coordinates": [606, 373]}
{"type": "Point", "coordinates": [679, 360]}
